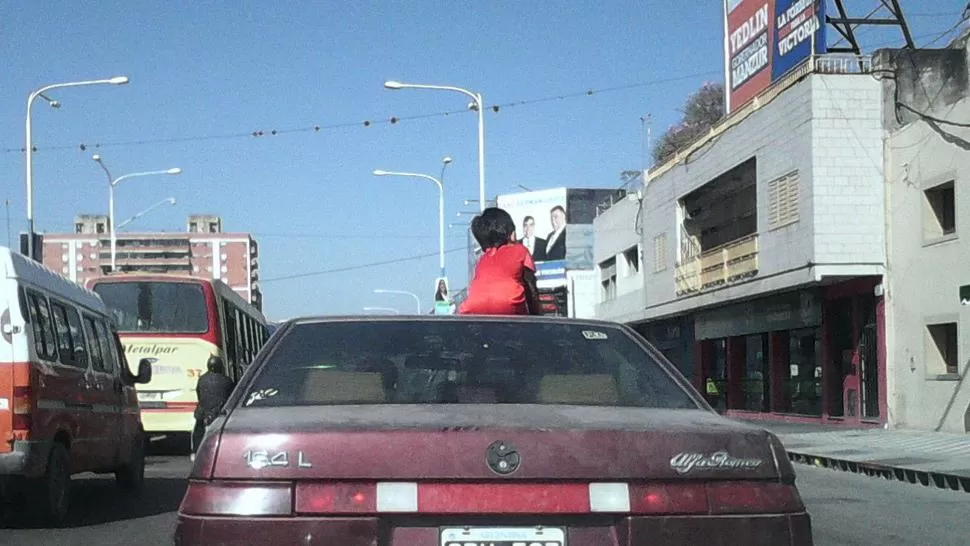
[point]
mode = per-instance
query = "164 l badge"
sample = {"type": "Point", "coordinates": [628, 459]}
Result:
{"type": "Point", "coordinates": [258, 460]}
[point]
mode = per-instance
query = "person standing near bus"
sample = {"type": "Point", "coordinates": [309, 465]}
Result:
{"type": "Point", "coordinates": [212, 390]}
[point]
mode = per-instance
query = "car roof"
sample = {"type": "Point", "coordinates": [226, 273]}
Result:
{"type": "Point", "coordinates": [14, 265]}
{"type": "Point", "coordinates": [520, 319]}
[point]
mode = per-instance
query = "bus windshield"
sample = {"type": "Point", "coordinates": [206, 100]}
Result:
{"type": "Point", "coordinates": [156, 306]}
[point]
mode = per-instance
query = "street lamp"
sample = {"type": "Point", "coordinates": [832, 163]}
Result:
{"type": "Point", "coordinates": [112, 183]}
{"type": "Point", "coordinates": [29, 149]}
{"type": "Point", "coordinates": [441, 205]}
{"type": "Point", "coordinates": [391, 310]}
{"type": "Point", "coordinates": [169, 201]}
{"type": "Point", "coordinates": [417, 300]}
{"type": "Point", "coordinates": [478, 103]}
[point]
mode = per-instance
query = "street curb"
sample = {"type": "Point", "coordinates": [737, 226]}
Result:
{"type": "Point", "coordinates": [925, 478]}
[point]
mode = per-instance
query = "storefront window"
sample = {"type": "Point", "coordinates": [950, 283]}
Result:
{"type": "Point", "coordinates": [756, 373]}
{"type": "Point", "coordinates": [803, 386]}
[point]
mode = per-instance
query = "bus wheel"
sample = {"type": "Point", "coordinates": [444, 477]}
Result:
{"type": "Point", "coordinates": [51, 494]}
{"type": "Point", "coordinates": [131, 477]}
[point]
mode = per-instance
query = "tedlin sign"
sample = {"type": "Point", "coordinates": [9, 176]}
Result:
{"type": "Point", "coordinates": [765, 40]}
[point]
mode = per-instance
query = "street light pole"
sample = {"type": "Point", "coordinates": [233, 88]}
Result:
{"type": "Point", "coordinates": [417, 300]}
{"type": "Point", "coordinates": [169, 201]}
{"type": "Point", "coordinates": [441, 207]}
{"type": "Point", "coordinates": [29, 148]}
{"type": "Point", "coordinates": [478, 103]}
{"type": "Point", "coordinates": [112, 184]}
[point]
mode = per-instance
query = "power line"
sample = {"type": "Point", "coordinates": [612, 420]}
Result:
{"type": "Point", "coordinates": [317, 128]}
{"type": "Point", "coordinates": [358, 267]}
{"type": "Point", "coordinates": [944, 33]}
{"type": "Point", "coordinates": [934, 119]}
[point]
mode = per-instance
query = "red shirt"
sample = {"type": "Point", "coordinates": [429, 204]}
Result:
{"type": "Point", "coordinates": [498, 288]}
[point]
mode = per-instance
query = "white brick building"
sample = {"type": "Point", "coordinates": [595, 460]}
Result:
{"type": "Point", "coordinates": [763, 252]}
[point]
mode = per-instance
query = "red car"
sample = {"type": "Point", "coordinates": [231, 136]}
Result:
{"type": "Point", "coordinates": [480, 431]}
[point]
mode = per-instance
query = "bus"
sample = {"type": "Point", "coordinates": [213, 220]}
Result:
{"type": "Point", "coordinates": [68, 401]}
{"type": "Point", "coordinates": [178, 322]}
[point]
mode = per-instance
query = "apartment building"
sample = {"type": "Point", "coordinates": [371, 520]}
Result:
{"type": "Point", "coordinates": [202, 250]}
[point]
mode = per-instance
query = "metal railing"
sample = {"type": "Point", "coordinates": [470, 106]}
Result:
{"type": "Point", "coordinates": [729, 263]}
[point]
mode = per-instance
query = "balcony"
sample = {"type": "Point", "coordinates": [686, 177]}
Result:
{"type": "Point", "coordinates": [727, 264]}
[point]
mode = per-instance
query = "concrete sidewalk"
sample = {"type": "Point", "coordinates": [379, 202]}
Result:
{"type": "Point", "coordinates": [935, 459]}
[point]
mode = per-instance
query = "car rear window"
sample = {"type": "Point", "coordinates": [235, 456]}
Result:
{"type": "Point", "coordinates": [462, 362]}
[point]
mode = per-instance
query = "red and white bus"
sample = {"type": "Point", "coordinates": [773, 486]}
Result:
{"type": "Point", "coordinates": [179, 322]}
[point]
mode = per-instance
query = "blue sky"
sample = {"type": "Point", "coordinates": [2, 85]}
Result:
{"type": "Point", "coordinates": [212, 68]}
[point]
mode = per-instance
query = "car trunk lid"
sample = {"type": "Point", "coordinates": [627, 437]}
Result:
{"type": "Point", "coordinates": [489, 442]}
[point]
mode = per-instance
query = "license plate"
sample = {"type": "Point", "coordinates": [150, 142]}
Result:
{"type": "Point", "coordinates": [149, 396]}
{"type": "Point", "coordinates": [503, 536]}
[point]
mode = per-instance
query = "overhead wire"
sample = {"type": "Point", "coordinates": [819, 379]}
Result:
{"type": "Point", "coordinates": [320, 127]}
{"type": "Point", "coordinates": [357, 267]}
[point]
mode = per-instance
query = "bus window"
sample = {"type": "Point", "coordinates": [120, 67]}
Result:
{"type": "Point", "coordinates": [77, 338]}
{"type": "Point", "coordinates": [70, 342]}
{"type": "Point", "coordinates": [94, 344]}
{"type": "Point", "coordinates": [240, 352]}
{"type": "Point", "coordinates": [154, 306]}
{"type": "Point", "coordinates": [249, 339]}
{"type": "Point", "coordinates": [106, 340]}
{"type": "Point", "coordinates": [43, 330]}
{"type": "Point", "coordinates": [230, 335]}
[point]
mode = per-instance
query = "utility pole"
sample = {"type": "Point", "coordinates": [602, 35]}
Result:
{"type": "Point", "coordinates": [6, 204]}
{"type": "Point", "coordinates": [646, 129]}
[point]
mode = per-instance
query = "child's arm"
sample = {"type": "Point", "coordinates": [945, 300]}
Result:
{"type": "Point", "coordinates": [531, 291]}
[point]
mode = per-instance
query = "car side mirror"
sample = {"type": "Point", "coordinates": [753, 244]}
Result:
{"type": "Point", "coordinates": [144, 371]}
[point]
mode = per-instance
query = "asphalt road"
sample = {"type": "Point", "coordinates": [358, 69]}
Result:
{"type": "Point", "coordinates": [846, 509]}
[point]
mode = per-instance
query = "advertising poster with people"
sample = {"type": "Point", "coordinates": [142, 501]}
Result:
{"type": "Point", "coordinates": [765, 40]}
{"type": "Point", "coordinates": [540, 219]}
{"type": "Point", "coordinates": [443, 304]}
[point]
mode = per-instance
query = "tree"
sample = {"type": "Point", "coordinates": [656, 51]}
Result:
{"type": "Point", "coordinates": [702, 111]}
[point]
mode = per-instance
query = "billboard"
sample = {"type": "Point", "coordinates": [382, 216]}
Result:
{"type": "Point", "coordinates": [556, 226]}
{"type": "Point", "coordinates": [764, 40]}
{"type": "Point", "coordinates": [541, 225]}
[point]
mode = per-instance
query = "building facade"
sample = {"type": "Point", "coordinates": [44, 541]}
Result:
{"type": "Point", "coordinates": [763, 252]}
{"type": "Point", "coordinates": [926, 114]}
{"type": "Point", "coordinates": [203, 250]}
{"type": "Point", "coordinates": [618, 254]}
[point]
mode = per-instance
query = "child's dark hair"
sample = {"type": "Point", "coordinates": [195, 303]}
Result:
{"type": "Point", "coordinates": [492, 228]}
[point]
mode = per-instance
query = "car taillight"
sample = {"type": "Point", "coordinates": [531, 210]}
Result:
{"type": "Point", "coordinates": [231, 498]}
{"type": "Point", "coordinates": [23, 408]}
{"type": "Point", "coordinates": [753, 498]}
{"type": "Point", "coordinates": [336, 498]}
{"type": "Point", "coordinates": [715, 498]}
{"type": "Point", "coordinates": [237, 499]}
{"type": "Point", "coordinates": [669, 499]}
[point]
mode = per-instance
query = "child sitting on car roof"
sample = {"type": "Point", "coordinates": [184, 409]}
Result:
{"type": "Point", "coordinates": [505, 277]}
